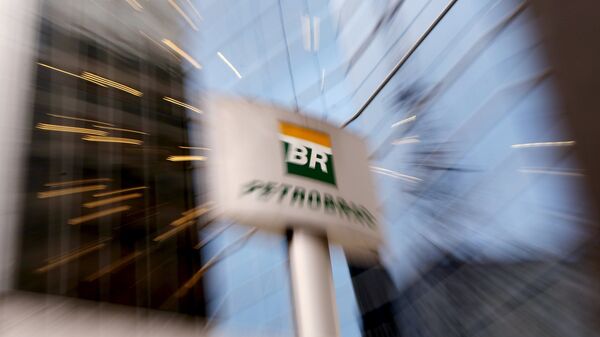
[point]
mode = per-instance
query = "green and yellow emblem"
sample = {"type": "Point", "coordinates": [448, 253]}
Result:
{"type": "Point", "coordinates": [307, 152]}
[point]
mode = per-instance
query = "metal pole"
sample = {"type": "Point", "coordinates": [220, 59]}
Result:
{"type": "Point", "coordinates": [312, 285]}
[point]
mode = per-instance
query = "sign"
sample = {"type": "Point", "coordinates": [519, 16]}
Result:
{"type": "Point", "coordinates": [307, 152]}
{"type": "Point", "coordinates": [276, 169]}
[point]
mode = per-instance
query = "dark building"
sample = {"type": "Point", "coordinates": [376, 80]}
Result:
{"type": "Point", "coordinates": [525, 298]}
{"type": "Point", "coordinates": [107, 215]}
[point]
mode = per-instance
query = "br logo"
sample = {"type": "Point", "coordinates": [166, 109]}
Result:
{"type": "Point", "coordinates": [307, 152]}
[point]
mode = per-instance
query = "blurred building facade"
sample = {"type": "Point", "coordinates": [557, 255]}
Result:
{"type": "Point", "coordinates": [525, 298]}
{"type": "Point", "coordinates": [468, 149]}
{"type": "Point", "coordinates": [466, 134]}
{"type": "Point", "coordinates": [481, 191]}
{"type": "Point", "coordinates": [102, 198]}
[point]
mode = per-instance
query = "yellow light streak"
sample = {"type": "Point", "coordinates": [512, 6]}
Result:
{"type": "Point", "coordinates": [114, 266]}
{"type": "Point", "coordinates": [103, 139]}
{"type": "Point", "coordinates": [208, 203]}
{"type": "Point", "coordinates": [68, 73]}
{"type": "Point", "coordinates": [212, 236]}
{"type": "Point", "coordinates": [191, 214]}
{"type": "Point", "coordinates": [57, 69]}
{"type": "Point", "coordinates": [543, 144]}
{"type": "Point", "coordinates": [172, 232]}
{"type": "Point", "coordinates": [70, 129]}
{"type": "Point", "coordinates": [93, 77]}
{"type": "Point", "coordinates": [103, 202]}
{"type": "Point", "coordinates": [182, 53]}
{"type": "Point", "coordinates": [89, 79]}
{"type": "Point", "coordinates": [75, 182]}
{"type": "Point", "coordinates": [182, 13]}
{"type": "Point", "coordinates": [212, 261]}
{"type": "Point", "coordinates": [180, 103]}
{"type": "Point", "coordinates": [160, 45]}
{"type": "Point", "coordinates": [224, 59]}
{"type": "Point", "coordinates": [77, 250]}
{"type": "Point", "coordinates": [104, 194]}
{"type": "Point", "coordinates": [67, 191]}
{"type": "Point", "coordinates": [96, 215]}
{"type": "Point", "coordinates": [85, 246]}
{"type": "Point", "coordinates": [194, 279]}
{"type": "Point", "coordinates": [186, 158]}
{"type": "Point", "coordinates": [55, 262]}
{"type": "Point", "coordinates": [120, 129]}
{"type": "Point", "coordinates": [79, 119]}
{"type": "Point", "coordinates": [194, 148]}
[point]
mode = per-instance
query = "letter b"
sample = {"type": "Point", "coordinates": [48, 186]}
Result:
{"type": "Point", "coordinates": [297, 155]}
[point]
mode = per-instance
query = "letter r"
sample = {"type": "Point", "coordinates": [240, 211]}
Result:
{"type": "Point", "coordinates": [318, 157]}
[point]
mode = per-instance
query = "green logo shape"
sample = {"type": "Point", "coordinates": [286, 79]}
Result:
{"type": "Point", "coordinates": [307, 153]}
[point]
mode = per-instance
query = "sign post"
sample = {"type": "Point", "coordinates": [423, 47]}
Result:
{"type": "Point", "coordinates": [312, 285]}
{"type": "Point", "coordinates": [278, 170]}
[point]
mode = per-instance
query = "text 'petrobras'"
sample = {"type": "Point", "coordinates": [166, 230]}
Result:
{"type": "Point", "coordinates": [313, 200]}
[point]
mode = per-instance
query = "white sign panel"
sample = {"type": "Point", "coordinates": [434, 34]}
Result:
{"type": "Point", "coordinates": [276, 169]}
